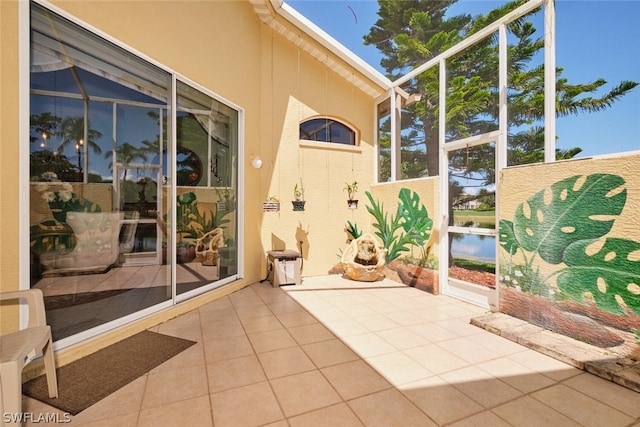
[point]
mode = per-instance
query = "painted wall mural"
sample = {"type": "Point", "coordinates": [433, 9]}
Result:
{"type": "Point", "coordinates": [561, 270]}
{"type": "Point", "coordinates": [407, 234]}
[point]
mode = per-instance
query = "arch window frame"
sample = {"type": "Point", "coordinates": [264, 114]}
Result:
{"type": "Point", "coordinates": [333, 134]}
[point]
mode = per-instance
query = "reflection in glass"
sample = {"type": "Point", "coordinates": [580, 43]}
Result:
{"type": "Point", "coordinates": [384, 141]}
{"type": "Point", "coordinates": [473, 258]}
{"type": "Point", "coordinates": [472, 91]}
{"type": "Point", "coordinates": [97, 116]}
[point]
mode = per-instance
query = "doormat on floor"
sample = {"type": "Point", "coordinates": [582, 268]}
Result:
{"type": "Point", "coordinates": [92, 378]}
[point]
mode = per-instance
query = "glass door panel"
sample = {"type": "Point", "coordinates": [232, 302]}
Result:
{"type": "Point", "coordinates": [206, 187]}
{"type": "Point", "coordinates": [472, 222]}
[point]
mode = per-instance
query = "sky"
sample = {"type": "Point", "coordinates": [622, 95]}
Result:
{"type": "Point", "coordinates": [595, 39]}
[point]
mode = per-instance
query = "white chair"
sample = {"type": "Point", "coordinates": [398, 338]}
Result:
{"type": "Point", "coordinates": [19, 348]}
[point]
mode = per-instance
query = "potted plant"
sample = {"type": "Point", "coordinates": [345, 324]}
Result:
{"type": "Point", "coordinates": [272, 204]}
{"type": "Point", "coordinates": [351, 190]}
{"type": "Point", "coordinates": [298, 194]}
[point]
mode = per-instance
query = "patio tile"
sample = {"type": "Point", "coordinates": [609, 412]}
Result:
{"type": "Point", "coordinates": [234, 373]}
{"type": "Point", "coordinates": [251, 311]}
{"type": "Point", "coordinates": [254, 325]}
{"type": "Point", "coordinates": [548, 366]}
{"type": "Point", "coordinates": [405, 318]}
{"type": "Point", "coordinates": [192, 356]}
{"type": "Point", "coordinates": [389, 408]}
{"type": "Point", "coordinates": [196, 411]}
{"type": "Point", "coordinates": [304, 392]}
{"type": "Point", "coordinates": [295, 318]}
{"type": "Point", "coordinates": [468, 350]}
{"type": "Point", "coordinates": [355, 379]}
{"type": "Point", "coordinates": [432, 332]}
{"type": "Point", "coordinates": [435, 358]}
{"type": "Point", "coordinates": [516, 375]}
{"type": "Point", "coordinates": [327, 353]}
{"type": "Point", "coordinates": [529, 412]}
{"type": "Point", "coordinates": [345, 327]}
{"type": "Point", "coordinates": [271, 340]}
{"type": "Point", "coordinates": [248, 406]}
{"type": "Point", "coordinates": [481, 386]}
{"type": "Point", "coordinates": [402, 338]}
{"type": "Point", "coordinates": [288, 361]}
{"type": "Point", "coordinates": [440, 400]}
{"type": "Point", "coordinates": [376, 322]}
{"type": "Point", "coordinates": [627, 401]}
{"type": "Point", "coordinates": [307, 334]}
{"type": "Point", "coordinates": [584, 409]}
{"type": "Point", "coordinates": [167, 387]}
{"type": "Point", "coordinates": [398, 368]}
{"type": "Point", "coordinates": [337, 415]}
{"type": "Point", "coordinates": [486, 418]}
{"type": "Point", "coordinates": [227, 348]}
{"type": "Point", "coordinates": [368, 345]}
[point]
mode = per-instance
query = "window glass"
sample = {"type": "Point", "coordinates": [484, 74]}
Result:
{"type": "Point", "coordinates": [98, 123]}
{"type": "Point", "coordinates": [327, 130]}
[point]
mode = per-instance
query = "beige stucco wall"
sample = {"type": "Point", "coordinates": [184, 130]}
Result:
{"type": "Point", "coordinates": [9, 196]}
{"type": "Point", "coordinates": [224, 47]}
{"type": "Point", "coordinates": [297, 87]}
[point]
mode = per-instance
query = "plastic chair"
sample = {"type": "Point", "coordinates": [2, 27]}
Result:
{"type": "Point", "coordinates": [19, 348]}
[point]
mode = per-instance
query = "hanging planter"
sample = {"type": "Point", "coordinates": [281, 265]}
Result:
{"type": "Point", "coordinates": [298, 205]}
{"type": "Point", "coordinates": [298, 194]}
{"type": "Point", "coordinates": [351, 190]}
{"type": "Point", "coordinates": [271, 205]}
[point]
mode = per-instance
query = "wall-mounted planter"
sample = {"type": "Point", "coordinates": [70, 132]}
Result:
{"type": "Point", "coordinates": [298, 205]}
{"type": "Point", "coordinates": [353, 204]}
{"type": "Point", "coordinates": [270, 206]}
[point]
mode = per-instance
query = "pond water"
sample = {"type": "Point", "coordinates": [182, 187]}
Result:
{"type": "Point", "coordinates": [471, 246]}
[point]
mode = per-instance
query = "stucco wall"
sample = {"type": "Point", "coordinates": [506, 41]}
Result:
{"type": "Point", "coordinates": [570, 248]}
{"type": "Point", "coordinates": [297, 87]}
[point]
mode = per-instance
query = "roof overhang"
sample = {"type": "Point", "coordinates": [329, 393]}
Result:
{"type": "Point", "coordinates": [343, 61]}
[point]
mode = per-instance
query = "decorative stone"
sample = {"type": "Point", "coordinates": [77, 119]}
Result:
{"type": "Point", "coordinates": [364, 259]}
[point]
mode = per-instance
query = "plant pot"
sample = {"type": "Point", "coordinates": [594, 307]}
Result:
{"type": "Point", "coordinates": [298, 205]}
{"type": "Point", "coordinates": [270, 206]}
{"type": "Point", "coordinates": [353, 204]}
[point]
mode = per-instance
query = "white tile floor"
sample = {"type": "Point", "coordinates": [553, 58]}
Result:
{"type": "Point", "coordinates": [334, 352]}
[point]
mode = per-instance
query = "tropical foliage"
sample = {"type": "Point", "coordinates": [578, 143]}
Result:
{"type": "Point", "coordinates": [567, 224]}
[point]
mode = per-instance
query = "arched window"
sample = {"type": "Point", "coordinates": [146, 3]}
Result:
{"type": "Point", "coordinates": [326, 129]}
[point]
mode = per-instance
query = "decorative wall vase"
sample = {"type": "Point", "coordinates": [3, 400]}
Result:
{"type": "Point", "coordinates": [353, 204]}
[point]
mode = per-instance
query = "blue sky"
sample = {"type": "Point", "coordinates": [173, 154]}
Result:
{"type": "Point", "coordinates": [595, 39]}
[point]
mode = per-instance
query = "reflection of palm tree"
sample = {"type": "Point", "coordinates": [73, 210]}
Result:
{"type": "Point", "coordinates": [127, 153]}
{"type": "Point", "coordinates": [72, 132]}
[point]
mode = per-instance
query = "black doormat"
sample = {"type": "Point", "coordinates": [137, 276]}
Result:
{"type": "Point", "coordinates": [92, 378]}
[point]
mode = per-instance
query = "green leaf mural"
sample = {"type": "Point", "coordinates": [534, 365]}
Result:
{"type": "Point", "coordinates": [411, 217]}
{"type": "Point", "coordinates": [576, 211]}
{"type": "Point", "coordinates": [566, 228]}
{"type": "Point", "coordinates": [415, 219]}
{"type": "Point", "coordinates": [607, 274]}
{"type": "Point", "coordinates": [507, 237]}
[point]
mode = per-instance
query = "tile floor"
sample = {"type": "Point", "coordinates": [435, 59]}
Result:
{"type": "Point", "coordinates": [334, 352]}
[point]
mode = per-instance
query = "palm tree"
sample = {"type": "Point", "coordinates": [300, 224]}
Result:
{"type": "Point", "coordinates": [72, 132]}
{"type": "Point", "coordinates": [126, 153]}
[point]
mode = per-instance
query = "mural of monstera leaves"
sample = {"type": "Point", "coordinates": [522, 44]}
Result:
{"type": "Point", "coordinates": [608, 274]}
{"type": "Point", "coordinates": [567, 226]}
{"type": "Point", "coordinates": [579, 208]}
